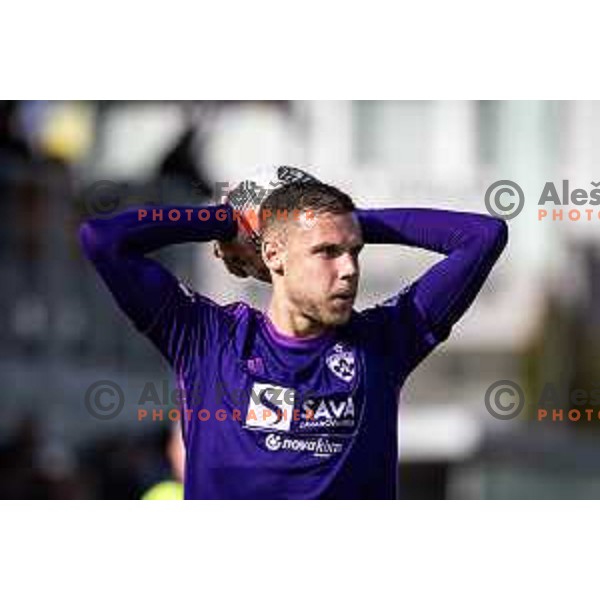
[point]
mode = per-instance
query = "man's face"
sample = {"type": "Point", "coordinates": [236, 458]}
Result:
{"type": "Point", "coordinates": [320, 267]}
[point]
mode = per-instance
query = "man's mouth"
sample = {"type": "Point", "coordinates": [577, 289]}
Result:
{"type": "Point", "coordinates": [345, 296]}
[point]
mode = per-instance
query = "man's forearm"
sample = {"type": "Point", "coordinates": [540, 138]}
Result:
{"type": "Point", "coordinates": [117, 246]}
{"type": "Point", "coordinates": [442, 231]}
{"type": "Point", "coordinates": [141, 231]}
{"type": "Point", "coordinates": [471, 242]}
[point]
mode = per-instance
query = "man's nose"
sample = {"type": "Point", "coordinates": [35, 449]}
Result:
{"type": "Point", "coordinates": [348, 267]}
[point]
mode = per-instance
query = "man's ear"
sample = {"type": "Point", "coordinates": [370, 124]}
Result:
{"type": "Point", "coordinates": [273, 253]}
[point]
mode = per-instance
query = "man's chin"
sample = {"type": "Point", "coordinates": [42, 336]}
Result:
{"type": "Point", "coordinates": [337, 318]}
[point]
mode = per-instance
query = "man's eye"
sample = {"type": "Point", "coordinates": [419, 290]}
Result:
{"type": "Point", "coordinates": [330, 252]}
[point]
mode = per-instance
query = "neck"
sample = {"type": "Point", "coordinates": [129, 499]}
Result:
{"type": "Point", "coordinates": [288, 320]}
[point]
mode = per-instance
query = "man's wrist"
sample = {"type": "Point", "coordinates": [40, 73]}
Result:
{"type": "Point", "coordinates": [229, 230]}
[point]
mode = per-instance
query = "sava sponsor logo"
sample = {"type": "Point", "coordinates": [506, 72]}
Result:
{"type": "Point", "coordinates": [327, 412]}
{"type": "Point", "coordinates": [318, 446]}
{"type": "Point", "coordinates": [272, 407]}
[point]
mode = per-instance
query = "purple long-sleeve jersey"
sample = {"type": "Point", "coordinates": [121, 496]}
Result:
{"type": "Point", "coordinates": [270, 416]}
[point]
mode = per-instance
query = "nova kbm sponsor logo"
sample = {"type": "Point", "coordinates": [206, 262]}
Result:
{"type": "Point", "coordinates": [317, 446]}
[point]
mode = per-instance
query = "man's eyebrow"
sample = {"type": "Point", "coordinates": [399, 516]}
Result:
{"type": "Point", "coordinates": [332, 245]}
{"type": "Point", "coordinates": [324, 246]}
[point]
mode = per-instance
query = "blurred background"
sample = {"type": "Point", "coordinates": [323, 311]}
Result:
{"type": "Point", "coordinates": [535, 323]}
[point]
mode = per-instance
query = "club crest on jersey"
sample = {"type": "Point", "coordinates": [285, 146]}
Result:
{"type": "Point", "coordinates": [341, 363]}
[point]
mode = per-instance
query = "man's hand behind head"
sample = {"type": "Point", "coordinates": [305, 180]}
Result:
{"type": "Point", "coordinates": [242, 260]}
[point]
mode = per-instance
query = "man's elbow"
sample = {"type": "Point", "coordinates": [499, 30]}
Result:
{"type": "Point", "coordinates": [494, 235]}
{"type": "Point", "coordinates": [93, 240]}
{"type": "Point", "coordinates": [499, 234]}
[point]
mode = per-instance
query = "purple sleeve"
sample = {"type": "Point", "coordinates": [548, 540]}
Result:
{"type": "Point", "coordinates": [471, 242]}
{"type": "Point", "coordinates": [148, 293]}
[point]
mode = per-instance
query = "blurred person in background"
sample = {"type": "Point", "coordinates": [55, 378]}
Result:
{"type": "Point", "coordinates": [171, 489]}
